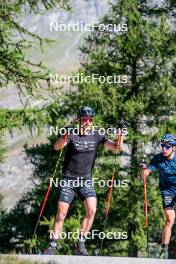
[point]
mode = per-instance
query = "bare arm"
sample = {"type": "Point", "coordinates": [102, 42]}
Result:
{"type": "Point", "coordinates": [61, 142]}
{"type": "Point", "coordinates": [113, 146]}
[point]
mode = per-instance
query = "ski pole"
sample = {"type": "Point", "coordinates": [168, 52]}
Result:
{"type": "Point", "coordinates": [48, 191]}
{"type": "Point", "coordinates": [110, 188]}
{"type": "Point", "coordinates": [144, 166]}
{"type": "Point", "coordinates": [113, 176]}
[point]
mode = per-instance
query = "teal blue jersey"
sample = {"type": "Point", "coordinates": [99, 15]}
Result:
{"type": "Point", "coordinates": [167, 172]}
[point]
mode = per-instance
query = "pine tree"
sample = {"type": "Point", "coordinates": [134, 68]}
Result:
{"type": "Point", "coordinates": [16, 70]}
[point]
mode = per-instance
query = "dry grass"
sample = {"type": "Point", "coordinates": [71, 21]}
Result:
{"type": "Point", "coordinates": [15, 260]}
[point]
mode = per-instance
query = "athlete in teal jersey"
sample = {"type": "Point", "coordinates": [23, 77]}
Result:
{"type": "Point", "coordinates": [165, 163]}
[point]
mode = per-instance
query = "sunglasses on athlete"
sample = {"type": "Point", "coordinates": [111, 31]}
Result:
{"type": "Point", "coordinates": [85, 119]}
{"type": "Point", "coordinates": [164, 146]}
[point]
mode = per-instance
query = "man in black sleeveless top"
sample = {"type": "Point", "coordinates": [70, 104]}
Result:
{"type": "Point", "coordinates": [77, 175]}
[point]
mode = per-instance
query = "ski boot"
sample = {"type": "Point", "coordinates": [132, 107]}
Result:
{"type": "Point", "coordinates": [164, 253]}
{"type": "Point", "coordinates": [80, 249]}
{"type": "Point", "coordinates": [51, 250]}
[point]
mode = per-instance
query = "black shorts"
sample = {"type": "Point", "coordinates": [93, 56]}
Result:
{"type": "Point", "coordinates": [69, 187]}
{"type": "Point", "coordinates": [168, 200]}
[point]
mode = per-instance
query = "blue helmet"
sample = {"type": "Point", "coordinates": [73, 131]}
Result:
{"type": "Point", "coordinates": [169, 138]}
{"type": "Point", "coordinates": [86, 111]}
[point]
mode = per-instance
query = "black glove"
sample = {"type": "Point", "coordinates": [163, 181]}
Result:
{"type": "Point", "coordinates": [121, 124]}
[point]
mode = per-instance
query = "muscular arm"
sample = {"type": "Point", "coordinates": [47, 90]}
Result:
{"type": "Point", "coordinates": [111, 145]}
{"type": "Point", "coordinates": [61, 142]}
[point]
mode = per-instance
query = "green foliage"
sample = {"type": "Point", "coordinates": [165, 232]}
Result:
{"type": "Point", "coordinates": [2, 148]}
{"type": "Point", "coordinates": [146, 53]}
{"type": "Point", "coordinates": [30, 245]}
{"type": "Point", "coordinates": [15, 69]}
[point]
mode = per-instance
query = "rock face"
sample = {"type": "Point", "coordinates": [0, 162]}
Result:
{"type": "Point", "coordinates": [15, 177]}
{"type": "Point", "coordinates": [63, 57]}
{"type": "Point", "coordinates": [16, 171]}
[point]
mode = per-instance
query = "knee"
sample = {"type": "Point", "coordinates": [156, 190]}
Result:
{"type": "Point", "coordinates": [60, 216]}
{"type": "Point", "coordinates": [91, 212]}
{"type": "Point", "coordinates": [170, 218]}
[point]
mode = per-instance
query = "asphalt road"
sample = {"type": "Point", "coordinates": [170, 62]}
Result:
{"type": "Point", "coordinates": [92, 260]}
